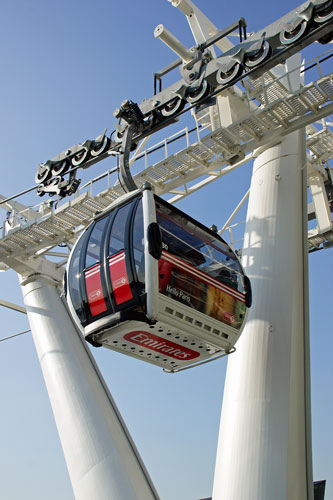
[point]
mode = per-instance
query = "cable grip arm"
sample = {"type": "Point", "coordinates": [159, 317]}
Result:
{"type": "Point", "coordinates": [126, 178]}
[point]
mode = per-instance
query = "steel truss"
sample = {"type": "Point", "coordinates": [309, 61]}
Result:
{"type": "Point", "coordinates": [216, 151]}
{"type": "Point", "coordinates": [203, 78]}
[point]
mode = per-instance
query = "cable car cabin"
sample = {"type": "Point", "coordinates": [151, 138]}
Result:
{"type": "Point", "coordinates": [149, 281]}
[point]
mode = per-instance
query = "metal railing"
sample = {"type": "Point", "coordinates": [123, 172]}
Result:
{"type": "Point", "coordinates": [265, 90]}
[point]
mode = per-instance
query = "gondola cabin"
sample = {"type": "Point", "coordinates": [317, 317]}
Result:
{"type": "Point", "coordinates": [149, 281]}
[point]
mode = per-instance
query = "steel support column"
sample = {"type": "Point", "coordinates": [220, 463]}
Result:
{"type": "Point", "coordinates": [101, 457]}
{"type": "Point", "coordinates": [264, 449]}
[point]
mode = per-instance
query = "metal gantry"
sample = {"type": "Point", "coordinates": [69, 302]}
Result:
{"type": "Point", "coordinates": [267, 110]}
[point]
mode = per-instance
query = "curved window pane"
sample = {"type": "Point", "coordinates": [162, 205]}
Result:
{"type": "Point", "coordinates": [117, 239]}
{"type": "Point", "coordinates": [95, 242]}
{"type": "Point", "coordinates": [73, 279]}
{"type": "Point", "coordinates": [182, 238]}
{"type": "Point", "coordinates": [199, 270]}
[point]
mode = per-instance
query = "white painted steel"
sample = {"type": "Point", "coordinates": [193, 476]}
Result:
{"type": "Point", "coordinates": [239, 206]}
{"type": "Point", "coordinates": [101, 457]}
{"type": "Point", "coordinates": [201, 26]}
{"type": "Point", "coordinates": [286, 111]}
{"type": "Point", "coordinates": [151, 264]}
{"type": "Point", "coordinates": [173, 43]}
{"type": "Point", "coordinates": [25, 212]}
{"type": "Point", "coordinates": [15, 307]}
{"type": "Point", "coordinates": [321, 204]}
{"type": "Point", "coordinates": [264, 434]}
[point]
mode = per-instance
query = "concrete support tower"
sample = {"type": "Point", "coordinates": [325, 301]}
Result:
{"type": "Point", "coordinates": [101, 457]}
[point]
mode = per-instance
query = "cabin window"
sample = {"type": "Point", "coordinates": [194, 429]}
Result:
{"type": "Point", "coordinates": [95, 241]}
{"type": "Point", "coordinates": [117, 239]}
{"type": "Point", "coordinates": [74, 279]}
{"type": "Point", "coordinates": [183, 238]}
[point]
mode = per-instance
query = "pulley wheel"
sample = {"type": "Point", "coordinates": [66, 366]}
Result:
{"type": "Point", "coordinates": [224, 77]}
{"type": "Point", "coordinates": [42, 175]}
{"type": "Point", "coordinates": [173, 106]}
{"type": "Point", "coordinates": [98, 148]}
{"type": "Point", "coordinates": [80, 158]}
{"type": "Point", "coordinates": [289, 37]}
{"type": "Point", "coordinates": [324, 13]}
{"type": "Point", "coordinates": [60, 168]}
{"type": "Point", "coordinates": [258, 57]}
{"type": "Point", "coordinates": [197, 94]}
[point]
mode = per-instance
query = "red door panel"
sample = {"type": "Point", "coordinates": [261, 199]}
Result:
{"type": "Point", "coordinates": [119, 278]}
{"type": "Point", "coordinates": [95, 295]}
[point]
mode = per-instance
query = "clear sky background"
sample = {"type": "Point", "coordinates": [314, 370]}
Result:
{"type": "Point", "coordinates": [65, 67]}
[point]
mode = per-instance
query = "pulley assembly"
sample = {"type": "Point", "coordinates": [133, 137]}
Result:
{"type": "Point", "coordinates": [202, 78]}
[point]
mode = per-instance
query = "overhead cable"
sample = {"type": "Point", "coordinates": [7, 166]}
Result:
{"type": "Point", "coordinates": [15, 335]}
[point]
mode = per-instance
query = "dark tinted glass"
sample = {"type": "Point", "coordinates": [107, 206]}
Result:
{"type": "Point", "coordinates": [319, 490]}
{"type": "Point", "coordinates": [190, 242]}
{"type": "Point", "coordinates": [73, 279]}
{"type": "Point", "coordinates": [95, 242]}
{"type": "Point", "coordinates": [117, 239]}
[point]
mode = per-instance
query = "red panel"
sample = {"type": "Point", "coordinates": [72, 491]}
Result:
{"type": "Point", "coordinates": [119, 279]}
{"type": "Point", "coordinates": [94, 290]}
{"type": "Point", "coordinates": [163, 346]}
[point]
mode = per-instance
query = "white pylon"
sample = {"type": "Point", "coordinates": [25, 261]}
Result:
{"type": "Point", "coordinates": [264, 448]}
{"type": "Point", "coordinates": [101, 457]}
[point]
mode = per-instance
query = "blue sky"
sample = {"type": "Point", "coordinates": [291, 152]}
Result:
{"type": "Point", "coordinates": [66, 66]}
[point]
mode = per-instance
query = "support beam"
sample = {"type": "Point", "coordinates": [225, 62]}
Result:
{"type": "Point", "coordinates": [101, 457]}
{"type": "Point", "coordinates": [264, 448]}
{"type": "Point", "coordinates": [202, 28]}
{"type": "Point", "coordinates": [12, 306]}
{"type": "Point", "coordinates": [27, 212]}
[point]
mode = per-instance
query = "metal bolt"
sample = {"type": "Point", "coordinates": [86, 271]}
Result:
{"type": "Point", "coordinates": [277, 177]}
